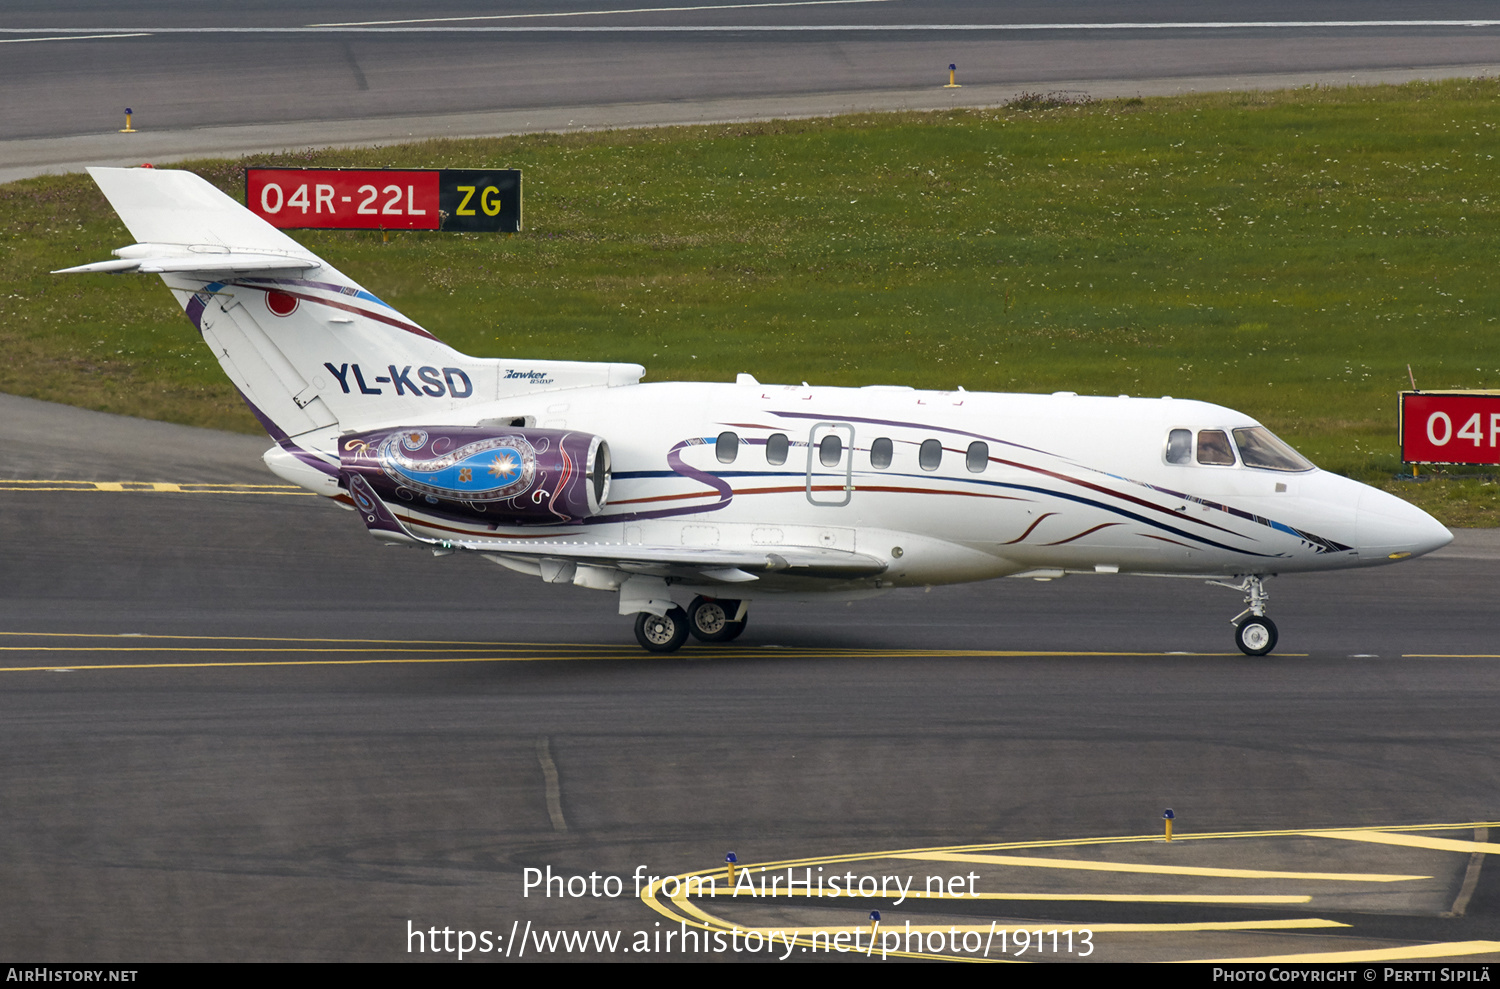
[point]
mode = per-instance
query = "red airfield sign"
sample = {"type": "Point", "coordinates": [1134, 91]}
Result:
{"type": "Point", "coordinates": [349, 199]}
{"type": "Point", "coordinates": [466, 199]}
{"type": "Point", "coordinates": [1454, 427]}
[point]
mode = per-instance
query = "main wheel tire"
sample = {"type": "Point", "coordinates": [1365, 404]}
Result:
{"type": "Point", "coordinates": [712, 621]}
{"type": "Point", "coordinates": [1255, 636]}
{"type": "Point", "coordinates": [661, 633]}
{"type": "Point", "coordinates": [733, 630]}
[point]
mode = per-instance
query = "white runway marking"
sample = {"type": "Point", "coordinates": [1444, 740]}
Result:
{"type": "Point", "coordinates": [596, 13]}
{"type": "Point", "coordinates": [73, 37]}
{"type": "Point", "coordinates": [781, 28]}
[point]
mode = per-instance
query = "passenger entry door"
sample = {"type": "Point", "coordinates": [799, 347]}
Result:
{"type": "Point", "coordinates": [830, 463]}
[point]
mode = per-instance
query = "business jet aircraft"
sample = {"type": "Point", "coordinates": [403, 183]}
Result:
{"type": "Point", "coordinates": [691, 500]}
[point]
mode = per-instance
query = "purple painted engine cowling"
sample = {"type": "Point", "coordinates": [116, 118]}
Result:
{"type": "Point", "coordinates": [503, 476]}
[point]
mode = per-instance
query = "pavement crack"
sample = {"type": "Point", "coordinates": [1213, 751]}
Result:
{"type": "Point", "coordinates": [1471, 877]}
{"type": "Point", "coordinates": [359, 75]}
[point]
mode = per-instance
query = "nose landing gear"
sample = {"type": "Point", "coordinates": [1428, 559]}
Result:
{"type": "Point", "coordinates": [1254, 633]}
{"type": "Point", "coordinates": [1255, 636]}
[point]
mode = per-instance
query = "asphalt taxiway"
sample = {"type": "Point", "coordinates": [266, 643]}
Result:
{"type": "Point", "coordinates": [232, 727]}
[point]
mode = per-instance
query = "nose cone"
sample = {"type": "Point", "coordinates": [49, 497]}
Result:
{"type": "Point", "coordinates": [1391, 528]}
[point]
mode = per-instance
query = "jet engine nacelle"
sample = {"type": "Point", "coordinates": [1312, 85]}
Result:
{"type": "Point", "coordinates": [503, 476]}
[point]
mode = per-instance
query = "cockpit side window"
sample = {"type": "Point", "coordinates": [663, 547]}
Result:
{"type": "Point", "coordinates": [1214, 448]}
{"type": "Point", "coordinates": [1259, 447]}
{"type": "Point", "coordinates": [1180, 446]}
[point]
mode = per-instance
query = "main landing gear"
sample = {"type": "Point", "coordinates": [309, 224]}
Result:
{"type": "Point", "coordinates": [1254, 633]}
{"type": "Point", "coordinates": [707, 619]}
{"type": "Point", "coordinates": [713, 620]}
{"type": "Point", "coordinates": [661, 633]}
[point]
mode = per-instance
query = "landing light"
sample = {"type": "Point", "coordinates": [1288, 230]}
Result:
{"type": "Point", "coordinates": [1398, 556]}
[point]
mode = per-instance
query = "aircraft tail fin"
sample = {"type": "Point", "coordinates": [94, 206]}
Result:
{"type": "Point", "coordinates": [312, 352]}
{"type": "Point", "coordinates": [170, 207]}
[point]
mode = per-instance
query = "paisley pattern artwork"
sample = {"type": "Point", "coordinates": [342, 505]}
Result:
{"type": "Point", "coordinates": [491, 469]}
{"type": "Point", "coordinates": [471, 473]}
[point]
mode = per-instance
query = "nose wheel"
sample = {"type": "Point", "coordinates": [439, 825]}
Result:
{"type": "Point", "coordinates": [1254, 632]}
{"type": "Point", "coordinates": [1255, 636]}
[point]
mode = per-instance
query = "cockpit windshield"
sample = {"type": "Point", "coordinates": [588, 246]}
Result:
{"type": "Point", "coordinates": [1259, 447]}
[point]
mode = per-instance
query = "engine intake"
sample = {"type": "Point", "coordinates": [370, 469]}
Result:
{"type": "Point", "coordinates": [483, 473]}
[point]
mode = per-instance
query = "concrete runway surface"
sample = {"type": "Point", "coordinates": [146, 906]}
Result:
{"type": "Point", "coordinates": [204, 81]}
{"type": "Point", "coordinates": [235, 728]}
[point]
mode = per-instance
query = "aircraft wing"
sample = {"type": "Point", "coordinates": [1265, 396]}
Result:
{"type": "Point", "coordinates": [713, 563]}
{"type": "Point", "coordinates": [724, 565]}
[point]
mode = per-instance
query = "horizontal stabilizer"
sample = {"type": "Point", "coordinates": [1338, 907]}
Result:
{"type": "Point", "coordinates": [184, 225]}
{"type": "Point", "coordinates": [205, 264]}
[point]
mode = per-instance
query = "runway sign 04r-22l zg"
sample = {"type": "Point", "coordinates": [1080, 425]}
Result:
{"type": "Point", "coordinates": [1454, 427]}
{"type": "Point", "coordinates": [472, 200]}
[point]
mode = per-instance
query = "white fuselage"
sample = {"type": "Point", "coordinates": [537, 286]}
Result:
{"type": "Point", "coordinates": [1065, 483]}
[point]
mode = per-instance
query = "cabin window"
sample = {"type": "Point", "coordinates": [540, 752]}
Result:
{"type": "Point", "coordinates": [776, 447]}
{"type": "Point", "coordinates": [728, 447]}
{"type": "Point", "coordinates": [880, 453]}
{"type": "Point", "coordinates": [978, 458]}
{"type": "Point", "coordinates": [831, 450]}
{"type": "Point", "coordinates": [930, 457]}
{"type": "Point", "coordinates": [1214, 448]}
{"type": "Point", "coordinates": [1180, 446]}
{"type": "Point", "coordinates": [1259, 447]}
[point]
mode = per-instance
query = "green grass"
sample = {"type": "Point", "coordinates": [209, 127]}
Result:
{"type": "Point", "coordinates": [1285, 254]}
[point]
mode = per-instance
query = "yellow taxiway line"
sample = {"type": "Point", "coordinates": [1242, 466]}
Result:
{"type": "Point", "coordinates": [150, 487]}
{"type": "Point", "coordinates": [1084, 865]}
{"type": "Point", "coordinates": [1411, 841]}
{"type": "Point", "coordinates": [496, 652]}
{"type": "Point", "coordinates": [1117, 840]}
{"type": "Point", "coordinates": [769, 650]}
{"type": "Point", "coordinates": [257, 649]}
{"type": "Point", "coordinates": [705, 921]}
{"type": "Point", "coordinates": [289, 638]}
{"type": "Point", "coordinates": [297, 662]}
{"type": "Point", "coordinates": [680, 905]}
{"type": "Point", "coordinates": [1225, 899]}
{"type": "Point", "coordinates": [1406, 953]}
